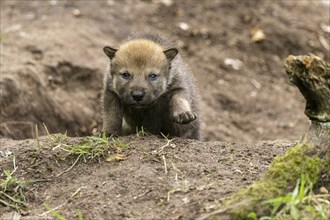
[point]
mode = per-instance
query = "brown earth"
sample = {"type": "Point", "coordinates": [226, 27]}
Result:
{"type": "Point", "coordinates": [199, 176]}
{"type": "Point", "coordinates": [52, 67]}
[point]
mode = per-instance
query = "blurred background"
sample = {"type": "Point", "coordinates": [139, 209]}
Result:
{"type": "Point", "coordinates": [52, 62]}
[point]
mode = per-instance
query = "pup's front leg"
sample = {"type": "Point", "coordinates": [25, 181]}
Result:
{"type": "Point", "coordinates": [181, 111]}
{"type": "Point", "coordinates": [112, 114]}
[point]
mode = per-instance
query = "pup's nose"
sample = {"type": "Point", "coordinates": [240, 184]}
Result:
{"type": "Point", "coordinates": [137, 95]}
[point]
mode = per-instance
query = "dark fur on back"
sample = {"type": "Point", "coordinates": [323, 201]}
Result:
{"type": "Point", "coordinates": [151, 36]}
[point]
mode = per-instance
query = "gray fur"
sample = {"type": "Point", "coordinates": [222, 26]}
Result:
{"type": "Point", "coordinates": [169, 114]}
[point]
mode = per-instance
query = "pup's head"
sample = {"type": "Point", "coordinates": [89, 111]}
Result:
{"type": "Point", "coordinates": [140, 71]}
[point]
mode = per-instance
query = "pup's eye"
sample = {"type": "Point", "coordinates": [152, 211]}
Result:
{"type": "Point", "coordinates": [125, 75]}
{"type": "Point", "coordinates": [153, 76]}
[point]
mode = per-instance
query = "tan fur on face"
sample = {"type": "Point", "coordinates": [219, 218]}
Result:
{"type": "Point", "coordinates": [140, 55]}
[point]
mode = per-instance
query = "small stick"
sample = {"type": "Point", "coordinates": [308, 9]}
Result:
{"type": "Point", "coordinates": [73, 195]}
{"type": "Point", "coordinates": [76, 192]}
{"type": "Point", "coordinates": [54, 209]}
{"type": "Point", "coordinates": [139, 196]}
{"type": "Point", "coordinates": [166, 145]}
{"type": "Point", "coordinates": [14, 163]}
{"type": "Point", "coordinates": [45, 128]}
{"type": "Point", "coordinates": [47, 132]}
{"type": "Point", "coordinates": [165, 166]}
{"type": "Point", "coordinates": [67, 170]}
{"type": "Point", "coordinates": [174, 167]}
{"type": "Point", "coordinates": [37, 136]}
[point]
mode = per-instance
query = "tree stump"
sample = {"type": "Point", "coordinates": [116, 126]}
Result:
{"type": "Point", "coordinates": [310, 157]}
{"type": "Point", "coordinates": [312, 77]}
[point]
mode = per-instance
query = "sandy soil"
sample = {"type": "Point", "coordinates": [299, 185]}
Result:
{"type": "Point", "coordinates": [52, 67]}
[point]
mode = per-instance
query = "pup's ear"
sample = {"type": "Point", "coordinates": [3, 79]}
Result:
{"type": "Point", "coordinates": [110, 52]}
{"type": "Point", "coordinates": [171, 53]}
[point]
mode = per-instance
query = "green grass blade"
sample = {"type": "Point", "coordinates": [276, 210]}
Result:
{"type": "Point", "coordinates": [296, 190]}
{"type": "Point", "coordinates": [54, 213]}
{"type": "Point", "coordinates": [294, 212]}
{"type": "Point", "coordinates": [79, 215]}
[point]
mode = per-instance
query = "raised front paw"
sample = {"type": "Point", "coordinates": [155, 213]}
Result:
{"type": "Point", "coordinates": [184, 117]}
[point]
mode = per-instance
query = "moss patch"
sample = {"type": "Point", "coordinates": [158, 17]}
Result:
{"type": "Point", "coordinates": [296, 163]}
{"type": "Point", "coordinates": [280, 178]}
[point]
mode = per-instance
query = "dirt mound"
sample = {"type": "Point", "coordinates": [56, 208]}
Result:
{"type": "Point", "coordinates": [157, 180]}
{"type": "Point", "coordinates": [52, 61]}
{"type": "Point", "coordinates": [44, 80]}
{"type": "Point", "coordinates": [28, 99]}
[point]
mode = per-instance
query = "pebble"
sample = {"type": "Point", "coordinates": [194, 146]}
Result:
{"type": "Point", "coordinates": [234, 63]}
{"type": "Point", "coordinates": [76, 12]}
{"type": "Point", "coordinates": [183, 26]}
{"type": "Point", "coordinates": [323, 190]}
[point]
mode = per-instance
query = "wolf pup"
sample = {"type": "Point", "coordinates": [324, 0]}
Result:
{"type": "Point", "coordinates": [148, 86]}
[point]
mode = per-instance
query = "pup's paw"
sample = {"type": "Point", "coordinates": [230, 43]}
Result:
{"type": "Point", "coordinates": [184, 117]}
